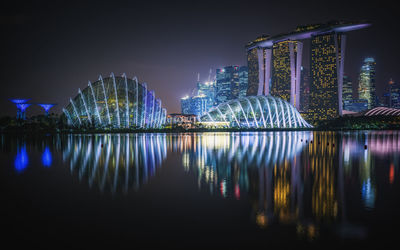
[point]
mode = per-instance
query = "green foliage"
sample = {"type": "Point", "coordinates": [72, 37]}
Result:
{"type": "Point", "coordinates": [361, 122]}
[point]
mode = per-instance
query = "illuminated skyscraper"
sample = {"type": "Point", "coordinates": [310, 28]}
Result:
{"type": "Point", "coordinates": [304, 89]}
{"type": "Point", "coordinates": [366, 87]}
{"type": "Point", "coordinates": [327, 58]}
{"type": "Point", "coordinates": [275, 66]}
{"type": "Point", "coordinates": [227, 84]}
{"type": "Point", "coordinates": [394, 93]}
{"type": "Point", "coordinates": [347, 92]}
{"type": "Point", "coordinates": [201, 100]}
{"type": "Point", "coordinates": [243, 81]}
{"type": "Point", "coordinates": [256, 68]}
{"type": "Point", "coordinates": [286, 68]}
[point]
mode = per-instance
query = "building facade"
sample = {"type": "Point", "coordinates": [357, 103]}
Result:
{"type": "Point", "coordinates": [394, 93]}
{"type": "Point", "coordinates": [286, 71]}
{"type": "Point", "coordinates": [275, 66]}
{"type": "Point", "coordinates": [230, 83]}
{"type": "Point", "coordinates": [304, 90]}
{"type": "Point", "coordinates": [327, 58]}
{"type": "Point", "coordinates": [366, 84]}
{"type": "Point", "coordinates": [243, 81]}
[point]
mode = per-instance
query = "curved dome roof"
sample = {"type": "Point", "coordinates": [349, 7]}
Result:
{"type": "Point", "coordinates": [256, 112]}
{"type": "Point", "coordinates": [382, 111]}
{"type": "Point", "coordinates": [116, 102]}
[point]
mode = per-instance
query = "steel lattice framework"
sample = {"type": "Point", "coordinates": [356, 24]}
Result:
{"type": "Point", "coordinates": [256, 112]}
{"type": "Point", "coordinates": [382, 111]}
{"type": "Point", "coordinates": [116, 102]}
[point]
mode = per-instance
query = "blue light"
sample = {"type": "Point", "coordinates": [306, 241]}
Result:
{"type": "Point", "coordinates": [23, 106]}
{"type": "Point", "coordinates": [47, 159]}
{"type": "Point", "coordinates": [46, 106]}
{"type": "Point", "coordinates": [21, 160]}
{"type": "Point", "coordinates": [19, 101]}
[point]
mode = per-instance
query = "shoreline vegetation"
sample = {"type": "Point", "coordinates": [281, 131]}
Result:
{"type": "Point", "coordinates": [54, 124]}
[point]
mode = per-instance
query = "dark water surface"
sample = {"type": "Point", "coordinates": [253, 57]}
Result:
{"type": "Point", "coordinates": [201, 189]}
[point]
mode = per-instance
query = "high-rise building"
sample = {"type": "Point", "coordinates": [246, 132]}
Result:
{"type": "Point", "coordinates": [347, 93]}
{"type": "Point", "coordinates": [197, 105]}
{"type": "Point", "coordinates": [286, 67]}
{"type": "Point", "coordinates": [201, 98]}
{"type": "Point", "coordinates": [394, 94]}
{"type": "Point", "coordinates": [256, 59]}
{"type": "Point", "coordinates": [274, 64]}
{"type": "Point", "coordinates": [327, 58]}
{"type": "Point", "coordinates": [304, 90]}
{"type": "Point", "coordinates": [243, 81]}
{"type": "Point", "coordinates": [227, 84]}
{"type": "Point", "coordinates": [185, 105]}
{"type": "Point", "coordinates": [207, 89]}
{"type": "Point", "coordinates": [366, 87]}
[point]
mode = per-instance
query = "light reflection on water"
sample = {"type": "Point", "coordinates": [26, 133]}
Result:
{"type": "Point", "coordinates": [117, 161]}
{"type": "Point", "coordinates": [299, 178]}
{"type": "Point", "coordinates": [293, 177]}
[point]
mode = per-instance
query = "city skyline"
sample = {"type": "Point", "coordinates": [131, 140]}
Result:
{"type": "Point", "coordinates": [43, 45]}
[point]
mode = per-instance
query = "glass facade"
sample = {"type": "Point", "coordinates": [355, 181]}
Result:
{"type": "Point", "coordinates": [116, 102]}
{"type": "Point", "coordinates": [304, 89]}
{"type": "Point", "coordinates": [227, 84]}
{"type": "Point", "coordinates": [394, 94]}
{"type": "Point", "coordinates": [366, 87]}
{"type": "Point", "coordinates": [256, 112]}
{"type": "Point", "coordinates": [196, 105]}
{"type": "Point", "coordinates": [347, 93]}
{"type": "Point", "coordinates": [243, 81]}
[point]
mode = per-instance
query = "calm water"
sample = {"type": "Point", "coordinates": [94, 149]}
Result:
{"type": "Point", "coordinates": [201, 189]}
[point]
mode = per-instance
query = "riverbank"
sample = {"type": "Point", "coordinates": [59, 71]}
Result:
{"type": "Point", "coordinates": [54, 126]}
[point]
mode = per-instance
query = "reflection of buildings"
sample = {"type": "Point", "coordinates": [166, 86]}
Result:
{"type": "Point", "coordinates": [117, 161]}
{"type": "Point", "coordinates": [293, 178]}
{"type": "Point", "coordinates": [366, 87]}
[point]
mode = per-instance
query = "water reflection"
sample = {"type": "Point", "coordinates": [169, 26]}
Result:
{"type": "Point", "coordinates": [299, 178]}
{"type": "Point", "coordinates": [117, 161]}
{"type": "Point", "coordinates": [310, 181]}
{"type": "Point", "coordinates": [47, 159]}
{"type": "Point", "coordinates": [21, 159]}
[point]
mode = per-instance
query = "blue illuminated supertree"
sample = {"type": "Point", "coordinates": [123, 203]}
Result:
{"type": "Point", "coordinates": [22, 105]}
{"type": "Point", "coordinates": [46, 107]}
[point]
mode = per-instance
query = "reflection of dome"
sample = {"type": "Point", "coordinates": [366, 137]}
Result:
{"type": "Point", "coordinates": [257, 112]}
{"type": "Point", "coordinates": [118, 102]}
{"type": "Point", "coordinates": [119, 162]}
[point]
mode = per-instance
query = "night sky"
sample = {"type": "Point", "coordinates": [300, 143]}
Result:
{"type": "Point", "coordinates": [50, 49]}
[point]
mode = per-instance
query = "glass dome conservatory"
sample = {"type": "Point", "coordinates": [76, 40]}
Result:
{"type": "Point", "coordinates": [116, 102]}
{"type": "Point", "coordinates": [256, 112]}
